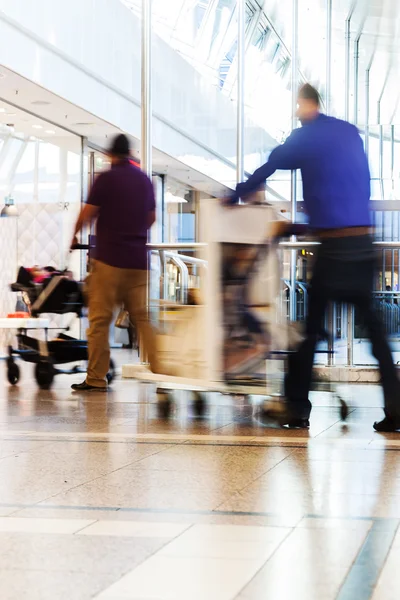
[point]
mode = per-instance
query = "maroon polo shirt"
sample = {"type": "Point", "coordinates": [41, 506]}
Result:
{"type": "Point", "coordinates": [125, 197]}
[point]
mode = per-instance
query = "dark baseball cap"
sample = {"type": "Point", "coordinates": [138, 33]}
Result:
{"type": "Point", "coordinates": [120, 146]}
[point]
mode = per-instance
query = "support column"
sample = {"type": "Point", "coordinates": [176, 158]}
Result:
{"type": "Point", "coordinates": [146, 142]}
{"type": "Point", "coordinates": [90, 182]}
{"type": "Point", "coordinates": [347, 65]}
{"type": "Point", "coordinates": [295, 78]}
{"type": "Point", "coordinates": [350, 308]}
{"type": "Point", "coordinates": [392, 158]}
{"type": "Point", "coordinates": [241, 14]}
{"type": "Point", "coordinates": [356, 61]}
{"type": "Point", "coordinates": [328, 53]}
{"type": "Point", "coordinates": [84, 181]}
{"type": "Point", "coordinates": [367, 72]}
{"type": "Point", "coordinates": [146, 110]}
{"type": "Point", "coordinates": [332, 306]}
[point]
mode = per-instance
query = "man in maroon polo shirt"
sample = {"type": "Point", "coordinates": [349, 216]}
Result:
{"type": "Point", "coordinates": [122, 200]}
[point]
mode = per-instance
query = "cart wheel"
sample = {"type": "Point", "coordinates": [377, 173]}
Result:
{"type": "Point", "coordinates": [344, 409]}
{"type": "Point", "coordinates": [164, 403]}
{"type": "Point", "coordinates": [44, 374]}
{"type": "Point", "coordinates": [13, 372]}
{"type": "Point", "coordinates": [199, 404]}
{"type": "Point", "coordinates": [111, 373]}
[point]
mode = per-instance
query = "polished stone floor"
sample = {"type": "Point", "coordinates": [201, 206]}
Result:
{"type": "Point", "coordinates": [99, 498]}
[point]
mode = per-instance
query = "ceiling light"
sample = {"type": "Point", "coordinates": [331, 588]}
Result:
{"type": "Point", "coordinates": [40, 103]}
{"type": "Point", "coordinates": [2, 110]}
{"type": "Point", "coordinates": [50, 131]}
{"type": "Point", "coordinates": [10, 114]}
{"type": "Point", "coordinates": [37, 127]}
{"type": "Point", "coordinates": [172, 199]}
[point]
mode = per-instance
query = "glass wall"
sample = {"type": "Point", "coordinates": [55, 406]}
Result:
{"type": "Point", "coordinates": [205, 34]}
{"type": "Point", "coordinates": [40, 173]}
{"type": "Point", "coordinates": [43, 177]}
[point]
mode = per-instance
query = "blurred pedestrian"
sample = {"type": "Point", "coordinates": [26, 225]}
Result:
{"type": "Point", "coordinates": [123, 204]}
{"type": "Point", "coordinates": [336, 189]}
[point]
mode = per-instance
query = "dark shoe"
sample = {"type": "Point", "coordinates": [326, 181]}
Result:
{"type": "Point", "coordinates": [278, 411]}
{"type": "Point", "coordinates": [294, 423]}
{"type": "Point", "coordinates": [387, 425]}
{"type": "Point", "coordinates": [85, 387]}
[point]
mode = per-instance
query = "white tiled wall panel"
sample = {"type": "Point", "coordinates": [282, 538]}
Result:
{"type": "Point", "coordinates": [8, 270]}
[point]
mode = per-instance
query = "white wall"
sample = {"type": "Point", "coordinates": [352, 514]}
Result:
{"type": "Point", "coordinates": [88, 52]}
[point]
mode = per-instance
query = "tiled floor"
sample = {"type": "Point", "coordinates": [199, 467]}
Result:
{"type": "Point", "coordinates": [99, 498]}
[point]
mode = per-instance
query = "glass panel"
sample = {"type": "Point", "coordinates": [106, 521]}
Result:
{"type": "Point", "coordinates": [267, 94]}
{"type": "Point", "coordinates": [312, 43]}
{"type": "Point", "coordinates": [12, 149]}
{"type": "Point", "coordinates": [49, 175]}
{"type": "Point", "coordinates": [23, 189]}
{"type": "Point", "coordinates": [194, 88]}
{"type": "Point", "coordinates": [373, 152]}
{"type": "Point", "coordinates": [180, 213]}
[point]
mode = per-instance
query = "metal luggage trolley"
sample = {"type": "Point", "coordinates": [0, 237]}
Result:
{"type": "Point", "coordinates": [227, 341]}
{"type": "Point", "coordinates": [58, 295]}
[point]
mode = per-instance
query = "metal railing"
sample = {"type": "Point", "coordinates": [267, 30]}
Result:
{"type": "Point", "coordinates": [181, 261]}
{"type": "Point", "coordinates": [343, 321]}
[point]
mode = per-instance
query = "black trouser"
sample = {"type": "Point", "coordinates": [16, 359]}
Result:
{"type": "Point", "coordinates": [343, 272]}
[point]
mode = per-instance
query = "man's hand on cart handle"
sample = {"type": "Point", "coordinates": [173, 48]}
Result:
{"type": "Point", "coordinates": [294, 229]}
{"type": "Point", "coordinates": [283, 229]}
{"type": "Point", "coordinates": [74, 243]}
{"type": "Point", "coordinates": [257, 197]}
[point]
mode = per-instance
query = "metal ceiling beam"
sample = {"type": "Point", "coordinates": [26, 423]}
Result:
{"type": "Point", "coordinates": [328, 53]}
{"type": "Point", "coordinates": [378, 108]}
{"type": "Point", "coordinates": [241, 8]}
{"type": "Point", "coordinates": [146, 106]}
{"type": "Point", "coordinates": [293, 190]}
{"type": "Point", "coordinates": [347, 62]}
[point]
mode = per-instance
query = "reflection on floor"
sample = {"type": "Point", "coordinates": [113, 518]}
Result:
{"type": "Point", "coordinates": [101, 499]}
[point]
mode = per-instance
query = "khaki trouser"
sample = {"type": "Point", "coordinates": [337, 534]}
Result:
{"type": "Point", "coordinates": [108, 289]}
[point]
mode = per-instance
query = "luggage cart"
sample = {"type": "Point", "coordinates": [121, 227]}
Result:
{"type": "Point", "coordinates": [57, 295]}
{"type": "Point", "coordinates": [224, 344]}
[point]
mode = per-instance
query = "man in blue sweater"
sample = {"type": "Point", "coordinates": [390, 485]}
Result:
{"type": "Point", "coordinates": [336, 190]}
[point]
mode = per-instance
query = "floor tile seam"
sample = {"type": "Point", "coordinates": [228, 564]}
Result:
{"type": "Point", "coordinates": [330, 427]}
{"type": "Point", "coordinates": [221, 427]}
{"type": "Point", "coordinates": [395, 532]}
{"type": "Point", "coordinates": [135, 462]}
{"type": "Point", "coordinates": [239, 491]}
{"type": "Point", "coordinates": [12, 518]}
{"type": "Point", "coordinates": [105, 436]}
{"type": "Point", "coordinates": [285, 538]}
{"type": "Point", "coordinates": [218, 427]}
{"type": "Point", "coordinates": [177, 439]}
{"type": "Point", "coordinates": [131, 569]}
{"type": "Point", "coordinates": [47, 571]}
{"type": "Point", "coordinates": [211, 512]}
{"type": "Point", "coordinates": [24, 438]}
{"type": "Point", "coordinates": [154, 438]}
{"type": "Point", "coordinates": [215, 559]}
{"type": "Point", "coordinates": [74, 487]}
{"type": "Point", "coordinates": [252, 443]}
{"type": "Point", "coordinates": [84, 527]}
{"type": "Point", "coordinates": [359, 561]}
{"type": "Point", "coordinates": [15, 512]}
{"type": "Point", "coordinates": [5, 423]}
